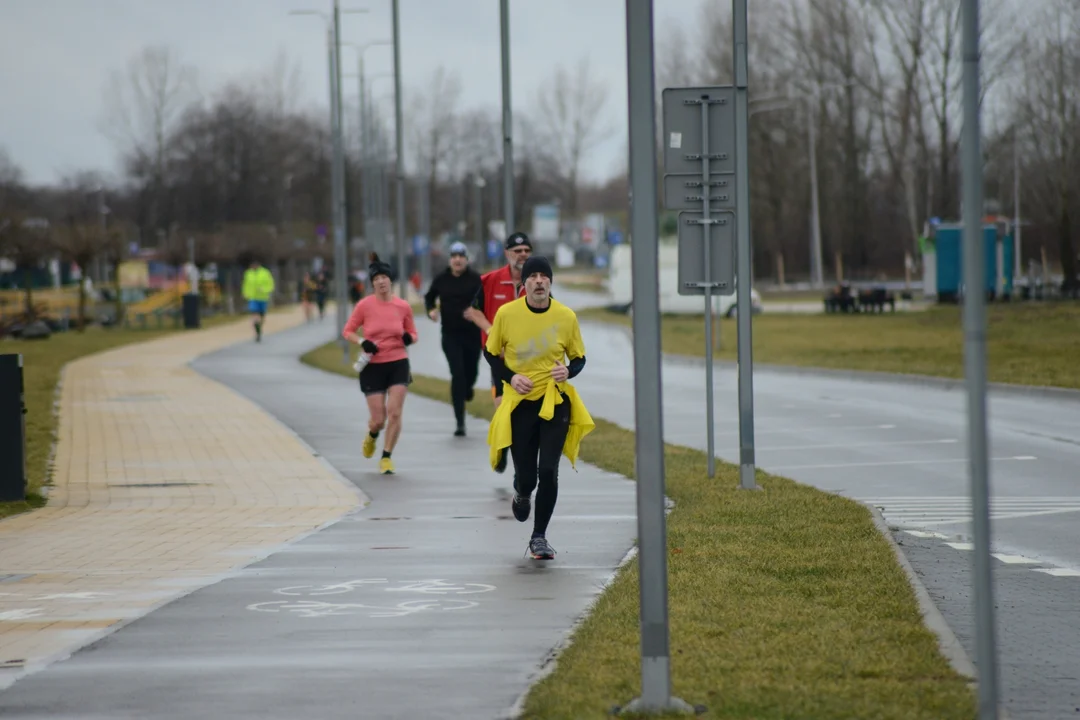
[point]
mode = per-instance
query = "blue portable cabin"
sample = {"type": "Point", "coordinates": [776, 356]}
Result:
{"type": "Point", "coordinates": [948, 261]}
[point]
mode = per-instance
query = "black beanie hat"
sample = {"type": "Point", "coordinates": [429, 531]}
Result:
{"type": "Point", "coordinates": [518, 238]}
{"type": "Point", "coordinates": [536, 264]}
{"type": "Point", "coordinates": [377, 267]}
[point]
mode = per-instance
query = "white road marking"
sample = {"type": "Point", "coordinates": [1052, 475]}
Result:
{"type": "Point", "coordinates": [893, 462]}
{"type": "Point", "coordinates": [960, 546]}
{"type": "Point", "coordinates": [1015, 559]}
{"type": "Point", "coordinates": [924, 534]}
{"type": "Point", "coordinates": [947, 441]}
{"type": "Point", "coordinates": [804, 428]}
{"type": "Point", "coordinates": [927, 511]}
{"type": "Point", "coordinates": [1059, 572]}
{"type": "Point", "coordinates": [20, 614]}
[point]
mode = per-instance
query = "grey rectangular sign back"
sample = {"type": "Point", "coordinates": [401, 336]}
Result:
{"type": "Point", "coordinates": [682, 129]}
{"type": "Point", "coordinates": [692, 253]}
{"type": "Point", "coordinates": [684, 192]}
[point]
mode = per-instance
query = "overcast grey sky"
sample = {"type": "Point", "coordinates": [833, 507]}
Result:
{"type": "Point", "coordinates": [56, 56]}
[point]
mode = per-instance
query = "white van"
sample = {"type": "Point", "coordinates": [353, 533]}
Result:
{"type": "Point", "coordinates": [671, 302]}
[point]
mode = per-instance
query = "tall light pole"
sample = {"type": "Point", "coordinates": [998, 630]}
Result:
{"type": "Point", "coordinates": [974, 263]}
{"type": "Point", "coordinates": [400, 152]}
{"type": "Point", "coordinates": [648, 406]}
{"type": "Point", "coordinates": [478, 199]}
{"type": "Point", "coordinates": [337, 166]}
{"type": "Point", "coordinates": [507, 120]}
{"type": "Point", "coordinates": [1017, 265]}
{"type": "Point", "coordinates": [366, 176]}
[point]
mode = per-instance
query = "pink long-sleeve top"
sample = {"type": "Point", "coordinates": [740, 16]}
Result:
{"type": "Point", "coordinates": [383, 322]}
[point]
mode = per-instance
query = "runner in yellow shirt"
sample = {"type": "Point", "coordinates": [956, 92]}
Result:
{"type": "Point", "coordinates": [541, 416]}
{"type": "Point", "coordinates": [257, 289]}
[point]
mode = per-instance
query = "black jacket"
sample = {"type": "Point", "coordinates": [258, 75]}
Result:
{"type": "Point", "coordinates": [455, 295]}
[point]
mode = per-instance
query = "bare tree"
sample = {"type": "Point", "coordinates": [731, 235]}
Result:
{"type": "Point", "coordinates": [143, 105]}
{"type": "Point", "coordinates": [1049, 110]}
{"type": "Point", "coordinates": [898, 41]}
{"type": "Point", "coordinates": [570, 104]}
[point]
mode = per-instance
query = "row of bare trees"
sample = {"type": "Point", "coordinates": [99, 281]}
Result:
{"type": "Point", "coordinates": [880, 80]}
{"type": "Point", "coordinates": [246, 169]}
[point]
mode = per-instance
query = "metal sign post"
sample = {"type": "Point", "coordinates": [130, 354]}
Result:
{"type": "Point", "coordinates": [975, 367]}
{"type": "Point", "coordinates": [706, 170]}
{"type": "Point", "coordinates": [695, 139]}
{"type": "Point", "coordinates": [648, 422]}
{"type": "Point", "coordinates": [338, 185]}
{"type": "Point", "coordinates": [745, 270]}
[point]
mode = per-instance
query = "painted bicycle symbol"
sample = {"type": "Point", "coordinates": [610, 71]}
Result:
{"type": "Point", "coordinates": [312, 607]}
{"type": "Point", "coordinates": [318, 608]}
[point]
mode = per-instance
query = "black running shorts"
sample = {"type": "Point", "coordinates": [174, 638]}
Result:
{"type": "Point", "coordinates": [377, 378]}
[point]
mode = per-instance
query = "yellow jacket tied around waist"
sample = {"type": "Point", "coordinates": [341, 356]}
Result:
{"type": "Point", "coordinates": [531, 343]}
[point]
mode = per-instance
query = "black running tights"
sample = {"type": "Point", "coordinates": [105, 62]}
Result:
{"type": "Point", "coordinates": [536, 448]}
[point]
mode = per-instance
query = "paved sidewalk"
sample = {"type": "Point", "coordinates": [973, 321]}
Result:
{"type": "Point", "coordinates": [164, 482]}
{"type": "Point", "coordinates": [420, 605]}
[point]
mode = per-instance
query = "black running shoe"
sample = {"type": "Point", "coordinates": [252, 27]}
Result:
{"type": "Point", "coordinates": [460, 432]}
{"type": "Point", "coordinates": [521, 507]}
{"type": "Point", "coordinates": [539, 549]}
{"type": "Point", "coordinates": [500, 466]}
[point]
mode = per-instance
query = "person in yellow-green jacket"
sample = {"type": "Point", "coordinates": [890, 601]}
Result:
{"type": "Point", "coordinates": [257, 289]}
{"type": "Point", "coordinates": [541, 417]}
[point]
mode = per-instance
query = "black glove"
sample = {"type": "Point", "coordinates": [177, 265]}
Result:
{"type": "Point", "coordinates": [407, 339]}
{"type": "Point", "coordinates": [369, 347]}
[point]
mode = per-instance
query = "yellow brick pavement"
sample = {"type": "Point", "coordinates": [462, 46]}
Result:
{"type": "Point", "coordinates": [164, 481]}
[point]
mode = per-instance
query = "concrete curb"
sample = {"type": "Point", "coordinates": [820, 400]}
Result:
{"type": "Point", "coordinates": [869, 376]}
{"type": "Point", "coordinates": [948, 643]}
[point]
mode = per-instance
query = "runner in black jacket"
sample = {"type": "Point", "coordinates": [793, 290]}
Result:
{"type": "Point", "coordinates": [455, 289]}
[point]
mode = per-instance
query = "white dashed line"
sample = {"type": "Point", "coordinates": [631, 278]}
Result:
{"type": "Point", "coordinates": [1059, 572]}
{"type": "Point", "coordinates": [1015, 559]}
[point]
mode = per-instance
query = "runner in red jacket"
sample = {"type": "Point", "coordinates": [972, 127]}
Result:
{"type": "Point", "coordinates": [498, 288]}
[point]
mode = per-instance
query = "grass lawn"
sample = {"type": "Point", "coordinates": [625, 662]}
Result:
{"type": "Point", "coordinates": [785, 603]}
{"type": "Point", "coordinates": [1027, 344]}
{"type": "Point", "coordinates": [42, 362]}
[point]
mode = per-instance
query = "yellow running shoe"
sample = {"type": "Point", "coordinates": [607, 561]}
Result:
{"type": "Point", "coordinates": [369, 445]}
{"type": "Point", "coordinates": [386, 466]}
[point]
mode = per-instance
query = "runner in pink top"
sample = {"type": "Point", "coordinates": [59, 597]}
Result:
{"type": "Point", "coordinates": [388, 327]}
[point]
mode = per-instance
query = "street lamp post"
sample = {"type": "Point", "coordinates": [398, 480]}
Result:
{"type": "Point", "coordinates": [337, 168]}
{"type": "Point", "coordinates": [367, 198]}
{"type": "Point", "coordinates": [507, 120]}
{"type": "Point", "coordinates": [478, 186]}
{"type": "Point", "coordinates": [782, 102]}
{"type": "Point", "coordinates": [400, 152]}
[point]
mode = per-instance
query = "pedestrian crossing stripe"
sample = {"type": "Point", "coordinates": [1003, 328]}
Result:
{"type": "Point", "coordinates": [904, 511]}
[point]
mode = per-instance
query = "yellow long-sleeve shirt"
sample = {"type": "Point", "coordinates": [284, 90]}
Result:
{"type": "Point", "coordinates": [531, 343]}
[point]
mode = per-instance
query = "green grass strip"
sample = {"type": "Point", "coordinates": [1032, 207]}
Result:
{"type": "Point", "coordinates": [786, 603]}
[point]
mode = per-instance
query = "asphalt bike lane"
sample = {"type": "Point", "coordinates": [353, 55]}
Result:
{"type": "Point", "coordinates": [901, 447]}
{"type": "Point", "coordinates": [422, 604]}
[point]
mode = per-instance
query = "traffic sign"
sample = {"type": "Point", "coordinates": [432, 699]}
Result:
{"type": "Point", "coordinates": [684, 192]}
{"type": "Point", "coordinates": [683, 131]}
{"type": "Point", "coordinates": [694, 275]}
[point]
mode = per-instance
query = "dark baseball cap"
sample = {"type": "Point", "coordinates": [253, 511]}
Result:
{"type": "Point", "coordinates": [518, 239]}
